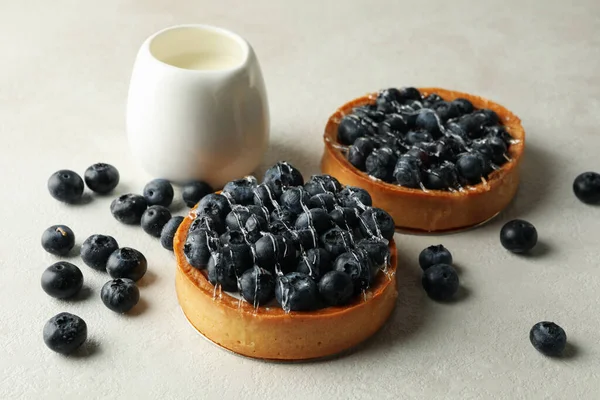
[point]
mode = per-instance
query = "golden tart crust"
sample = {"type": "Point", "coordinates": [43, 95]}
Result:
{"type": "Point", "coordinates": [268, 332]}
{"type": "Point", "coordinates": [433, 210]}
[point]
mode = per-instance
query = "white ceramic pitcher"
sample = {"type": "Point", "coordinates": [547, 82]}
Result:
{"type": "Point", "coordinates": [197, 107]}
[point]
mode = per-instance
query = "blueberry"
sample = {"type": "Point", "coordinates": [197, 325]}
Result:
{"type": "Point", "coordinates": [484, 149]}
{"type": "Point", "coordinates": [296, 292]}
{"type": "Point", "coordinates": [215, 205]}
{"type": "Point", "coordinates": [315, 263]}
{"type": "Point", "coordinates": [96, 250]}
{"type": "Point", "coordinates": [518, 236]}
{"type": "Point", "coordinates": [154, 219]}
{"type": "Point", "coordinates": [128, 208]}
{"type": "Point", "coordinates": [266, 196]}
{"type": "Point", "coordinates": [385, 108]}
{"type": "Point", "coordinates": [62, 280]}
{"type": "Point", "coordinates": [322, 184]}
{"type": "Point", "coordinates": [222, 271]}
{"type": "Point", "coordinates": [257, 210]}
{"type": "Point", "coordinates": [380, 163]}
{"type": "Point", "coordinates": [359, 151]}
{"type": "Point", "coordinates": [434, 255]}
{"type": "Point", "coordinates": [241, 191]}
{"type": "Point", "coordinates": [207, 221]}
{"type": "Point", "coordinates": [316, 218]}
{"type": "Point", "coordinates": [295, 199]}
{"type": "Point", "coordinates": [326, 201]}
{"type": "Point", "coordinates": [357, 266]}
{"type": "Point", "coordinates": [280, 228]}
{"type": "Point", "coordinates": [440, 282]}
{"type": "Point", "coordinates": [336, 241]}
{"type": "Point", "coordinates": [235, 238]}
{"type": "Point", "coordinates": [470, 166]}
{"type": "Point", "coordinates": [394, 125]}
{"type": "Point", "coordinates": [345, 217]}
{"type": "Point", "coordinates": [429, 121]}
{"type": "Point", "coordinates": [491, 118]}
{"type": "Point", "coordinates": [389, 95]}
{"type": "Point", "coordinates": [419, 154]}
{"type": "Point", "coordinates": [407, 172]}
{"type": "Point", "coordinates": [120, 295]}
{"type": "Point", "coordinates": [257, 286]}
{"type": "Point", "coordinates": [336, 288]}
{"type": "Point", "coordinates": [65, 186]}
{"type": "Point", "coordinates": [101, 178]}
{"type": "Point", "coordinates": [283, 215]}
{"type": "Point", "coordinates": [351, 128]}
{"type": "Point", "coordinates": [446, 110]}
{"type": "Point", "coordinates": [354, 197]}
{"type": "Point", "coordinates": [370, 113]}
{"type": "Point", "coordinates": [275, 251]}
{"type": "Point", "coordinates": [238, 255]}
{"type": "Point", "coordinates": [168, 232]}
{"type": "Point", "coordinates": [498, 149]}
{"type": "Point", "coordinates": [441, 177]}
{"type": "Point", "coordinates": [193, 192]}
{"type": "Point", "coordinates": [58, 240]}
{"type": "Point", "coordinates": [500, 132]}
{"type": "Point", "coordinates": [471, 126]}
{"type": "Point", "coordinates": [464, 106]}
{"type": "Point", "coordinates": [255, 225]}
{"type": "Point", "coordinates": [237, 217]}
{"type": "Point", "coordinates": [377, 222]}
{"type": "Point", "coordinates": [548, 338]}
{"type": "Point", "coordinates": [307, 238]}
{"type": "Point", "coordinates": [587, 187]}
{"type": "Point", "coordinates": [198, 247]}
{"type": "Point", "coordinates": [409, 93]}
{"type": "Point", "coordinates": [126, 263]}
{"type": "Point", "coordinates": [158, 192]}
{"type": "Point", "coordinates": [283, 175]}
{"type": "Point", "coordinates": [64, 333]}
{"type": "Point", "coordinates": [416, 137]}
{"type": "Point", "coordinates": [376, 249]}
{"type": "Point", "coordinates": [431, 100]}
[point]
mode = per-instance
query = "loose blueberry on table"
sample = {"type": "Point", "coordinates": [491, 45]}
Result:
{"type": "Point", "coordinates": [64, 333]}
{"type": "Point", "coordinates": [101, 178]}
{"type": "Point", "coordinates": [120, 295]}
{"type": "Point", "coordinates": [154, 219]}
{"type": "Point", "coordinates": [66, 186]}
{"type": "Point", "coordinates": [96, 250]}
{"type": "Point", "coordinates": [518, 236]}
{"type": "Point", "coordinates": [548, 338]}
{"type": "Point", "coordinates": [424, 142]}
{"type": "Point", "coordinates": [62, 280]}
{"type": "Point", "coordinates": [434, 255]}
{"type": "Point", "coordinates": [587, 187]}
{"type": "Point", "coordinates": [440, 282]}
{"type": "Point", "coordinates": [126, 263]}
{"type": "Point", "coordinates": [168, 232]}
{"type": "Point", "coordinates": [306, 245]}
{"type": "Point", "coordinates": [128, 208]}
{"type": "Point", "coordinates": [58, 240]}
{"type": "Point", "coordinates": [158, 192]}
{"type": "Point", "coordinates": [193, 192]}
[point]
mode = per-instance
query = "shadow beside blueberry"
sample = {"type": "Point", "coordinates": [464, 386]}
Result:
{"type": "Point", "coordinates": [139, 308]}
{"type": "Point", "coordinates": [89, 348]}
{"type": "Point", "coordinates": [148, 279]}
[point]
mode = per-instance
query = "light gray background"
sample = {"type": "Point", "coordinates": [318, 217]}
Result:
{"type": "Point", "coordinates": [64, 71]}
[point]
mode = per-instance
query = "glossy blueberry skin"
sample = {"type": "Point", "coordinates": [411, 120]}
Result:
{"type": "Point", "coordinates": [407, 172]}
{"type": "Point", "coordinates": [101, 178]}
{"type": "Point", "coordinates": [294, 199]}
{"type": "Point", "coordinates": [377, 222]}
{"type": "Point", "coordinates": [370, 113]}
{"type": "Point", "coordinates": [238, 255]}
{"type": "Point", "coordinates": [394, 125]}
{"type": "Point", "coordinates": [236, 219]}
{"type": "Point", "coordinates": [315, 263]}
{"type": "Point", "coordinates": [64, 333]}
{"type": "Point", "coordinates": [255, 225]}
{"type": "Point", "coordinates": [322, 184]}
{"type": "Point", "coordinates": [317, 218]}
{"type": "Point", "coordinates": [440, 282]}
{"type": "Point", "coordinates": [518, 236]}
{"type": "Point", "coordinates": [336, 288]}
{"type": "Point", "coordinates": [354, 197]}
{"type": "Point", "coordinates": [168, 232]}
{"type": "Point", "coordinates": [96, 249]}
{"type": "Point", "coordinates": [418, 137]}
{"type": "Point", "coordinates": [126, 263]}
{"type": "Point", "coordinates": [120, 295]}
{"type": "Point", "coordinates": [326, 201]}
{"type": "Point", "coordinates": [428, 121]}
{"type": "Point", "coordinates": [587, 187]}
{"type": "Point", "coordinates": [308, 238]}
{"type": "Point", "coordinates": [296, 292]}
{"type": "Point", "coordinates": [62, 280]}
{"type": "Point", "coordinates": [284, 215]}
{"type": "Point", "coordinates": [359, 151]}
{"type": "Point", "coordinates": [215, 205]}
{"type": "Point", "coordinates": [66, 186]}
{"type": "Point", "coordinates": [357, 265]}
{"type": "Point", "coordinates": [206, 221]}
{"type": "Point", "coordinates": [409, 93]}
{"type": "Point", "coordinates": [257, 286]}
{"type": "Point", "coordinates": [376, 249]}
{"type": "Point", "coordinates": [470, 166]}
{"type": "Point", "coordinates": [389, 95]}
{"type": "Point", "coordinates": [431, 100]}
{"type": "Point", "coordinates": [464, 106]}
{"type": "Point", "coordinates": [274, 251]}
{"type": "Point", "coordinates": [58, 240]}
{"type": "Point", "coordinates": [336, 241]}
{"type": "Point", "coordinates": [159, 192]}
{"type": "Point", "coordinates": [441, 177]}
{"type": "Point", "coordinates": [154, 219]}
{"type": "Point", "coordinates": [193, 192]}
{"type": "Point", "coordinates": [241, 191]}
{"type": "Point", "coordinates": [257, 210]}
{"type": "Point", "coordinates": [446, 110]}
{"type": "Point", "coordinates": [434, 255]}
{"type": "Point", "coordinates": [266, 196]}
{"type": "Point", "coordinates": [222, 271]}
{"type": "Point", "coordinates": [345, 217]}
{"type": "Point", "coordinates": [548, 338]}
{"type": "Point", "coordinates": [283, 175]}
{"type": "Point", "coordinates": [498, 149]}
{"type": "Point", "coordinates": [198, 247]}
{"type": "Point", "coordinates": [350, 129]}
{"type": "Point", "coordinates": [128, 208]}
{"type": "Point", "coordinates": [380, 163]}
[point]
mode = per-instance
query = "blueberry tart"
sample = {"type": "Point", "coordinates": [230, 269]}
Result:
{"type": "Point", "coordinates": [284, 269]}
{"type": "Point", "coordinates": [436, 160]}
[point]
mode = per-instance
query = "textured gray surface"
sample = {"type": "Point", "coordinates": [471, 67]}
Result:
{"type": "Point", "coordinates": [63, 81]}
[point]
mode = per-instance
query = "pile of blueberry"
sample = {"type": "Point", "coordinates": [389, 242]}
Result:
{"type": "Point", "coordinates": [308, 245]}
{"type": "Point", "coordinates": [424, 142]}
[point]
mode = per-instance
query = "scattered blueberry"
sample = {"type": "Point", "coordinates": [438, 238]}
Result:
{"type": "Point", "coordinates": [168, 232]}
{"type": "Point", "coordinates": [377, 222]}
{"type": "Point", "coordinates": [518, 236]}
{"type": "Point", "coordinates": [440, 282]}
{"type": "Point", "coordinates": [154, 219]}
{"type": "Point", "coordinates": [257, 286]}
{"type": "Point", "coordinates": [296, 292]}
{"type": "Point", "coordinates": [587, 187]}
{"type": "Point", "coordinates": [64, 333]}
{"type": "Point", "coordinates": [101, 178]}
{"type": "Point", "coordinates": [62, 280]}
{"type": "Point", "coordinates": [96, 250]}
{"type": "Point", "coordinates": [128, 208]}
{"type": "Point", "coordinates": [434, 255]}
{"type": "Point", "coordinates": [159, 192]}
{"type": "Point", "coordinates": [58, 240]}
{"type": "Point", "coordinates": [548, 338]}
{"type": "Point", "coordinates": [66, 186]}
{"type": "Point", "coordinates": [120, 295]}
{"type": "Point", "coordinates": [336, 288]}
{"type": "Point", "coordinates": [193, 192]}
{"type": "Point", "coordinates": [126, 263]}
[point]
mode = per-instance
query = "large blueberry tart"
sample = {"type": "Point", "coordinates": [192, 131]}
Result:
{"type": "Point", "coordinates": [286, 269]}
{"type": "Point", "coordinates": [434, 159]}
